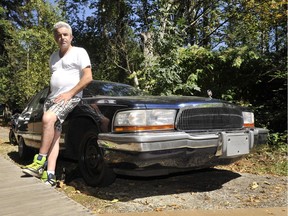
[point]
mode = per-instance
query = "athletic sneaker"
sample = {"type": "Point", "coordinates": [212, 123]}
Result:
{"type": "Point", "coordinates": [37, 167]}
{"type": "Point", "coordinates": [44, 176]}
{"type": "Point", "coordinates": [49, 179]}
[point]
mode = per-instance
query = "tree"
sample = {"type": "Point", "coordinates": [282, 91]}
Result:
{"type": "Point", "coordinates": [28, 45]}
{"type": "Point", "coordinates": [234, 47]}
{"type": "Point", "coordinates": [108, 36]}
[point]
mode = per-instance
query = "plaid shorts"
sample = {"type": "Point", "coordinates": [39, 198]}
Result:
{"type": "Point", "coordinates": [61, 109]}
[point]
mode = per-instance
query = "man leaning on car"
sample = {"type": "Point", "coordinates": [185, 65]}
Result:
{"type": "Point", "coordinates": [70, 72]}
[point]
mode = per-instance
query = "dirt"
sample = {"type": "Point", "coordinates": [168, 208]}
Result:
{"type": "Point", "coordinates": [206, 189]}
{"type": "Point", "coordinates": [218, 188]}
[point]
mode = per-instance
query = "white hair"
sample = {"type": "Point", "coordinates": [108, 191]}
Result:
{"type": "Point", "coordinates": [62, 24]}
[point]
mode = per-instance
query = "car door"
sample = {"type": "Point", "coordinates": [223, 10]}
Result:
{"type": "Point", "coordinates": [25, 124]}
{"type": "Point", "coordinates": [36, 117]}
{"type": "Point", "coordinates": [23, 128]}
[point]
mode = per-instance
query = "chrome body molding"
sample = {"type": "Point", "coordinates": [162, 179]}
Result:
{"type": "Point", "coordinates": [145, 142]}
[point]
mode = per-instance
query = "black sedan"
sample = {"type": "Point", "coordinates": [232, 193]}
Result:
{"type": "Point", "coordinates": [117, 129]}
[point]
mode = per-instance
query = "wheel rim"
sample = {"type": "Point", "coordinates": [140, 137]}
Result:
{"type": "Point", "coordinates": [92, 158]}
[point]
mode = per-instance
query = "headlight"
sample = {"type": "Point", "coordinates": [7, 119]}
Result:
{"type": "Point", "coordinates": [248, 119]}
{"type": "Point", "coordinates": [143, 120]}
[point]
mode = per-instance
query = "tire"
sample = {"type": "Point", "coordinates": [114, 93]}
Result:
{"type": "Point", "coordinates": [24, 152]}
{"type": "Point", "coordinates": [92, 166]}
{"type": "Point", "coordinates": [12, 138]}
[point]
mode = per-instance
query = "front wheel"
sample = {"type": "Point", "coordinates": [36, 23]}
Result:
{"type": "Point", "coordinates": [92, 166]}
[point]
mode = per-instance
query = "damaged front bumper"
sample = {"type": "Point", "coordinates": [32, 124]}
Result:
{"type": "Point", "coordinates": [177, 150]}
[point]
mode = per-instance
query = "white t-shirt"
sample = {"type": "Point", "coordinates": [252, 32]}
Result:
{"type": "Point", "coordinates": [67, 71]}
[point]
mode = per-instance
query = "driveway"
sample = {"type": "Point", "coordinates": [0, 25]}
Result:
{"type": "Point", "coordinates": [194, 194]}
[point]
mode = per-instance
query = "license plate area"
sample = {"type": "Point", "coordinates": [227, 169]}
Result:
{"type": "Point", "coordinates": [234, 144]}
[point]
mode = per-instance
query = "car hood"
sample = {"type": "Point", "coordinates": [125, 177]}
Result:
{"type": "Point", "coordinates": [150, 102]}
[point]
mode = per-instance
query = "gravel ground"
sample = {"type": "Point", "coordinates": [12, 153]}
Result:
{"type": "Point", "coordinates": [205, 189]}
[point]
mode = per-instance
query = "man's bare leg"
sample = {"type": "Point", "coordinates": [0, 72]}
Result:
{"type": "Point", "coordinates": [48, 132]}
{"type": "Point", "coordinates": [37, 167]}
{"type": "Point", "coordinates": [54, 152]}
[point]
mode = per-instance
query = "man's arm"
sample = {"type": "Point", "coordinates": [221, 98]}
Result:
{"type": "Point", "coordinates": [84, 81]}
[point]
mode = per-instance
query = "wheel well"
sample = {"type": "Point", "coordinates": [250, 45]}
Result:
{"type": "Point", "coordinates": [24, 151]}
{"type": "Point", "coordinates": [75, 131]}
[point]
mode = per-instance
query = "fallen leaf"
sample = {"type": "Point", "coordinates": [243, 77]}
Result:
{"type": "Point", "coordinates": [107, 205]}
{"type": "Point", "coordinates": [254, 185]}
{"type": "Point", "coordinates": [267, 183]}
{"type": "Point", "coordinates": [206, 197]}
{"type": "Point", "coordinates": [159, 209]}
{"type": "Point", "coordinates": [175, 206]}
{"type": "Point", "coordinates": [61, 184]}
{"type": "Point", "coordinates": [226, 203]}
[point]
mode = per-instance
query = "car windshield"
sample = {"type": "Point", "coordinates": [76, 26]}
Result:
{"type": "Point", "coordinates": [110, 89]}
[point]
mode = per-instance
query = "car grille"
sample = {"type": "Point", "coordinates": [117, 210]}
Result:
{"type": "Point", "coordinates": [206, 118]}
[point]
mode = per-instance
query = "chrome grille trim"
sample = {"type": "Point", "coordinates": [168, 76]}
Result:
{"type": "Point", "coordinates": [209, 117]}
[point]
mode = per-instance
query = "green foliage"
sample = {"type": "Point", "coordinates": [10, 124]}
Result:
{"type": "Point", "coordinates": [177, 71]}
{"type": "Point", "coordinates": [236, 49]}
{"type": "Point", "coordinates": [161, 74]}
{"type": "Point", "coordinates": [28, 48]}
{"type": "Point", "coordinates": [278, 141]}
{"type": "Point", "coordinates": [270, 160]}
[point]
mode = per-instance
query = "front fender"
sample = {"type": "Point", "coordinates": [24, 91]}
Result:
{"type": "Point", "coordinates": [84, 110]}
{"type": "Point", "coordinates": [82, 119]}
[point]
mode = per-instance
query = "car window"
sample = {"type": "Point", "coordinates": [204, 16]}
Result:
{"type": "Point", "coordinates": [35, 103]}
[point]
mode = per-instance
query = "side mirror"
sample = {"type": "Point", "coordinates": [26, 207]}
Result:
{"type": "Point", "coordinates": [42, 100]}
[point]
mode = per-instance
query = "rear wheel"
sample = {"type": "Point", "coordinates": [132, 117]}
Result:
{"type": "Point", "coordinates": [12, 138]}
{"type": "Point", "coordinates": [92, 166]}
{"type": "Point", "coordinates": [24, 151]}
